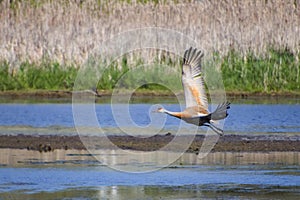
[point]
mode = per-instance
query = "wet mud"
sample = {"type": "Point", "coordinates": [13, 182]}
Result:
{"type": "Point", "coordinates": [226, 143]}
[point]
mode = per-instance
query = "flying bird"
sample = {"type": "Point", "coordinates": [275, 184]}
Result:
{"type": "Point", "coordinates": [196, 111]}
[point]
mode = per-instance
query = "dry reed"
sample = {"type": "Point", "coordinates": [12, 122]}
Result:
{"type": "Point", "coordinates": [67, 31]}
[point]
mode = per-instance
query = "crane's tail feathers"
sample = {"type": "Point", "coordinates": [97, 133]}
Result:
{"type": "Point", "coordinates": [221, 111]}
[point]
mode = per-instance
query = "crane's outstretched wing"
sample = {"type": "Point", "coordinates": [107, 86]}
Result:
{"type": "Point", "coordinates": [192, 79]}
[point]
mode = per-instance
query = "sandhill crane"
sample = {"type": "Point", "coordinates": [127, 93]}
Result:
{"type": "Point", "coordinates": [196, 111]}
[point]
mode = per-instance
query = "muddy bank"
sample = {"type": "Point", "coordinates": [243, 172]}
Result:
{"type": "Point", "coordinates": [227, 143]}
{"type": "Point", "coordinates": [36, 94]}
{"type": "Point", "coordinates": [54, 94]}
{"type": "Point", "coordinates": [66, 96]}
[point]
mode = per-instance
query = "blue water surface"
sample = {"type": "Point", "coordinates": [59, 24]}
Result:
{"type": "Point", "coordinates": [53, 179]}
{"type": "Point", "coordinates": [242, 117]}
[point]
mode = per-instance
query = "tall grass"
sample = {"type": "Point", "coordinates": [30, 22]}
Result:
{"type": "Point", "coordinates": [31, 76]}
{"type": "Point", "coordinates": [122, 75]}
{"type": "Point", "coordinates": [276, 71]}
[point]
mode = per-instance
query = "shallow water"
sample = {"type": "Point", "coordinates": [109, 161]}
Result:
{"type": "Point", "coordinates": [75, 174]}
{"type": "Point", "coordinates": [58, 118]}
{"type": "Point", "coordinates": [203, 182]}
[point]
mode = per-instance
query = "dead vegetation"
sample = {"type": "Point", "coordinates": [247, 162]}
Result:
{"type": "Point", "coordinates": [67, 31]}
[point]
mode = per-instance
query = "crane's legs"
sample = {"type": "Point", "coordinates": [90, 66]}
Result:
{"type": "Point", "coordinates": [215, 129]}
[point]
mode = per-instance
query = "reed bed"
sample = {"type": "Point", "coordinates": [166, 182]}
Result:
{"type": "Point", "coordinates": [65, 33]}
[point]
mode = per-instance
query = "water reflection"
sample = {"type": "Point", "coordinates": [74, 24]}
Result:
{"type": "Point", "coordinates": [21, 157]}
{"type": "Point", "coordinates": [203, 191]}
{"type": "Point", "coordinates": [75, 174]}
{"type": "Point", "coordinates": [162, 192]}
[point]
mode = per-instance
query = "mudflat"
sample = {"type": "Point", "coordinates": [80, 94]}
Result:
{"type": "Point", "coordinates": [226, 143]}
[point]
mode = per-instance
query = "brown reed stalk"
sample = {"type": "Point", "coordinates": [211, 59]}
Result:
{"type": "Point", "coordinates": [68, 31]}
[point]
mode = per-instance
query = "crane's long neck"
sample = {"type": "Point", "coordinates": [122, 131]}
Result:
{"type": "Point", "coordinates": [174, 114]}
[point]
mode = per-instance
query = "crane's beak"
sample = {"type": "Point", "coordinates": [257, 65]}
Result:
{"type": "Point", "coordinates": [157, 109]}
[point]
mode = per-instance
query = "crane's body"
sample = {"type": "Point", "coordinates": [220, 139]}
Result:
{"type": "Point", "coordinates": [196, 111]}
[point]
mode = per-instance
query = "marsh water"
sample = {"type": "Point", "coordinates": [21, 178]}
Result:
{"type": "Point", "coordinates": [58, 118]}
{"type": "Point", "coordinates": [75, 174]}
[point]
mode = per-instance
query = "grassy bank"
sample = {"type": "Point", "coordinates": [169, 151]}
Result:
{"type": "Point", "coordinates": [277, 71]}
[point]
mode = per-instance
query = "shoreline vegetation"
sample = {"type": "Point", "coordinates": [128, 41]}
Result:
{"type": "Point", "coordinates": [45, 43]}
{"type": "Point", "coordinates": [278, 74]}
